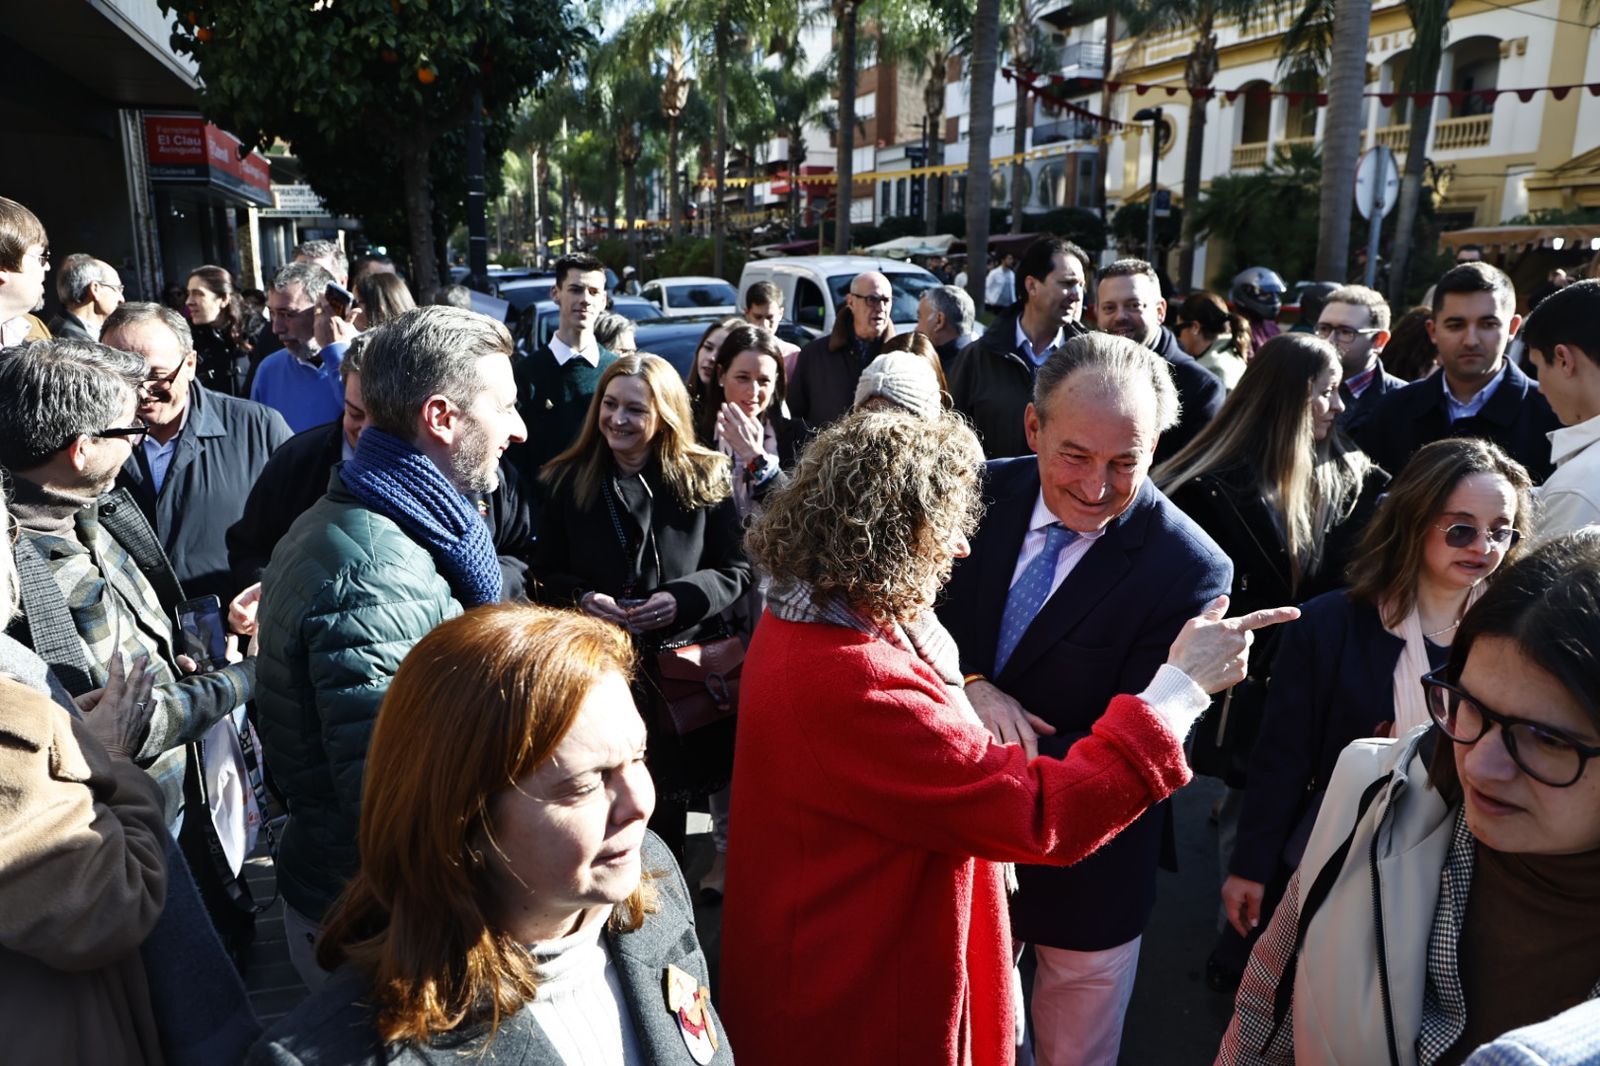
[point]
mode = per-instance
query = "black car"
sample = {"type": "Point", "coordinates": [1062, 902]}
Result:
{"type": "Point", "coordinates": [675, 339]}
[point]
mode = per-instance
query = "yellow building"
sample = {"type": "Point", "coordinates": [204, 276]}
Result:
{"type": "Point", "coordinates": [1499, 160]}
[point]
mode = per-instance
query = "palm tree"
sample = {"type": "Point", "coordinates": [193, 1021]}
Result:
{"type": "Point", "coordinates": [1030, 50]}
{"type": "Point", "coordinates": [985, 56]}
{"type": "Point", "coordinates": [797, 101]}
{"type": "Point", "coordinates": [1341, 136]}
{"type": "Point", "coordinates": [926, 35]}
{"type": "Point", "coordinates": [1430, 20]}
{"type": "Point", "coordinates": [847, 12]}
{"type": "Point", "coordinates": [1197, 17]}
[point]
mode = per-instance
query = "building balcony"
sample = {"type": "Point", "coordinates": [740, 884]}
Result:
{"type": "Point", "coordinates": [1066, 128]}
{"type": "Point", "coordinates": [1395, 138]}
{"type": "Point", "coordinates": [1250, 156]}
{"type": "Point", "coordinates": [1284, 144]}
{"type": "Point", "coordinates": [1083, 57]}
{"type": "Point", "coordinates": [1453, 134]}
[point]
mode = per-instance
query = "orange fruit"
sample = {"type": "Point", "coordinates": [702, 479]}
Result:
{"type": "Point", "coordinates": [426, 75]}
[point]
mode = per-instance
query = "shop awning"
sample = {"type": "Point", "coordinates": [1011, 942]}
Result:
{"type": "Point", "coordinates": [1508, 239]}
{"type": "Point", "coordinates": [188, 150]}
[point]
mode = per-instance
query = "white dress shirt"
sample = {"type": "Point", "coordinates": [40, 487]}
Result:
{"type": "Point", "coordinates": [565, 354]}
{"type": "Point", "coordinates": [1033, 544]}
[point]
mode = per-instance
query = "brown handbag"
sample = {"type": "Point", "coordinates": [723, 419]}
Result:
{"type": "Point", "coordinates": [700, 682]}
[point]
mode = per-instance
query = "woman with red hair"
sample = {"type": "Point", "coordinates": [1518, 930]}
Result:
{"type": "Point", "coordinates": [511, 906]}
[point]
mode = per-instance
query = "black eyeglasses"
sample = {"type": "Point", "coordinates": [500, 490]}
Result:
{"type": "Point", "coordinates": [1342, 334]}
{"type": "Point", "coordinates": [1465, 535]}
{"type": "Point", "coordinates": [164, 381]}
{"type": "Point", "coordinates": [1547, 755]}
{"type": "Point", "coordinates": [134, 433]}
{"type": "Point", "coordinates": [873, 298]}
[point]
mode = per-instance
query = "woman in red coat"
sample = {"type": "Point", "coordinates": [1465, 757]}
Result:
{"type": "Point", "coordinates": [865, 918]}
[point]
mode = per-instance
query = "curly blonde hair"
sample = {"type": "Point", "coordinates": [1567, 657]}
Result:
{"type": "Point", "coordinates": [871, 511]}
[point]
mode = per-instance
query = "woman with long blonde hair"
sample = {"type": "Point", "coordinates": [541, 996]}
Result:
{"type": "Point", "coordinates": [1285, 494]}
{"type": "Point", "coordinates": [640, 529]}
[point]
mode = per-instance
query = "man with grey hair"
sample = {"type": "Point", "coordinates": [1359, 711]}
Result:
{"type": "Point", "coordinates": [1080, 576]}
{"type": "Point", "coordinates": [95, 582]}
{"type": "Point", "coordinates": [89, 290]}
{"type": "Point", "coordinates": [327, 255]}
{"type": "Point", "coordinates": [193, 471]}
{"type": "Point", "coordinates": [300, 381]}
{"type": "Point", "coordinates": [945, 315]}
{"type": "Point", "coordinates": [392, 550]}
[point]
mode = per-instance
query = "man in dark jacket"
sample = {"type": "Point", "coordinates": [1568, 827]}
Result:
{"type": "Point", "coordinates": [1355, 320]}
{"type": "Point", "coordinates": [193, 471]}
{"type": "Point", "coordinates": [89, 290]}
{"type": "Point", "coordinates": [392, 550]}
{"type": "Point", "coordinates": [94, 580]}
{"type": "Point", "coordinates": [827, 369]}
{"type": "Point", "coordinates": [992, 383]}
{"type": "Point", "coordinates": [1128, 303]}
{"type": "Point", "coordinates": [297, 476]}
{"type": "Point", "coordinates": [1478, 392]}
{"type": "Point", "coordinates": [945, 315]}
{"type": "Point", "coordinates": [556, 383]}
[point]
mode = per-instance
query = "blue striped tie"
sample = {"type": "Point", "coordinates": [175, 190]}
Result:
{"type": "Point", "coordinates": [1030, 592]}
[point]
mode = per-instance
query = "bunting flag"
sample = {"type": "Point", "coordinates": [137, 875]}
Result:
{"type": "Point", "coordinates": [1031, 80]}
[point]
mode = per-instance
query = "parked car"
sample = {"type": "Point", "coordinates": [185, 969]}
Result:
{"type": "Point", "coordinates": [814, 286]}
{"type": "Point", "coordinates": [680, 297]}
{"type": "Point", "coordinates": [539, 320]}
{"type": "Point", "coordinates": [675, 339]}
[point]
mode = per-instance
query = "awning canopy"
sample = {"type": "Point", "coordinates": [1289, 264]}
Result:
{"type": "Point", "coordinates": [1510, 239]}
{"type": "Point", "coordinates": [904, 247]}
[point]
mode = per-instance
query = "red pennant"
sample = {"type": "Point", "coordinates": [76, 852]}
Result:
{"type": "Point", "coordinates": [1232, 94]}
{"type": "Point", "coordinates": [1486, 95]}
{"type": "Point", "coordinates": [1457, 97]}
{"type": "Point", "coordinates": [1261, 96]}
{"type": "Point", "coordinates": [1388, 99]}
{"type": "Point", "coordinates": [1295, 98]}
{"type": "Point", "coordinates": [1027, 77]}
{"type": "Point", "coordinates": [1172, 90]}
{"type": "Point", "coordinates": [1560, 91]}
{"type": "Point", "coordinates": [1202, 93]}
{"type": "Point", "coordinates": [1005, 72]}
{"type": "Point", "coordinates": [1594, 89]}
{"type": "Point", "coordinates": [1140, 90]}
{"type": "Point", "coordinates": [1113, 86]}
{"type": "Point", "coordinates": [1322, 99]}
{"type": "Point", "coordinates": [1526, 95]}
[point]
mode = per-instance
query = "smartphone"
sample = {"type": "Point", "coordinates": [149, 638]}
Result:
{"type": "Point", "coordinates": [340, 299]}
{"type": "Point", "coordinates": [202, 635]}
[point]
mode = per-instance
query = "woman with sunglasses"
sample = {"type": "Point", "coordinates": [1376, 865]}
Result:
{"type": "Point", "coordinates": [1450, 891]}
{"type": "Point", "coordinates": [1349, 668]}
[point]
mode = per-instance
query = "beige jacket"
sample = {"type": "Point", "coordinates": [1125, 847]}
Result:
{"type": "Point", "coordinates": [82, 882]}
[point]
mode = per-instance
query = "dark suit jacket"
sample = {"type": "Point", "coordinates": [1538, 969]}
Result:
{"type": "Point", "coordinates": [297, 476]}
{"type": "Point", "coordinates": [336, 1024]}
{"type": "Point", "coordinates": [992, 384]}
{"type": "Point", "coordinates": [69, 325]}
{"type": "Point", "coordinates": [825, 377]}
{"type": "Point", "coordinates": [221, 450]}
{"type": "Point", "coordinates": [1357, 409]}
{"type": "Point", "coordinates": [1200, 394]}
{"type": "Point", "coordinates": [1104, 632]}
{"type": "Point", "coordinates": [1516, 417]}
{"type": "Point", "coordinates": [1332, 683]}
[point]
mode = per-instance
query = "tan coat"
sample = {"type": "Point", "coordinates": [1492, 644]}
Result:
{"type": "Point", "coordinates": [82, 881]}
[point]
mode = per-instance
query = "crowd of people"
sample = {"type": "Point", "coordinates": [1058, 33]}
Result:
{"type": "Point", "coordinates": [932, 622]}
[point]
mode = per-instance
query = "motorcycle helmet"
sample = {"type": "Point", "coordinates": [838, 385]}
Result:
{"type": "Point", "coordinates": [1258, 292]}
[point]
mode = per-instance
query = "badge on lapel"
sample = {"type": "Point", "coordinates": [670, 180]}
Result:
{"type": "Point", "coordinates": [690, 1002]}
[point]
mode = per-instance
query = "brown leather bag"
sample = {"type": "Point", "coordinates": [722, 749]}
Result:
{"type": "Point", "coordinates": [700, 682]}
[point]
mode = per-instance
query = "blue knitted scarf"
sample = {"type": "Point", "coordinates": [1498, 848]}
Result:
{"type": "Point", "coordinates": [400, 483]}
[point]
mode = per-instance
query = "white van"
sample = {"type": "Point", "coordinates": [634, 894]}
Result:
{"type": "Point", "coordinates": [814, 286]}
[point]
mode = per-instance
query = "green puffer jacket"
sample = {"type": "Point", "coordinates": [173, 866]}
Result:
{"type": "Point", "coordinates": [343, 600]}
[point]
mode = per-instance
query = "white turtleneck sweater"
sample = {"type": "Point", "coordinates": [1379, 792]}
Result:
{"type": "Point", "coordinates": [579, 1004]}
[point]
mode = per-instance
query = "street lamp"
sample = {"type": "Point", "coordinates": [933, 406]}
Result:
{"type": "Point", "coordinates": [1151, 115]}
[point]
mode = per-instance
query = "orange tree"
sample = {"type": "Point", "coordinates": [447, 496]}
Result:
{"type": "Point", "coordinates": [362, 89]}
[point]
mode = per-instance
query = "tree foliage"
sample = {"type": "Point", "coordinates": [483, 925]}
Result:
{"type": "Point", "coordinates": [1268, 218]}
{"type": "Point", "coordinates": [371, 85]}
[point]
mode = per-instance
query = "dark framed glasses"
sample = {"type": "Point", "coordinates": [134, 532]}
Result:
{"type": "Point", "coordinates": [1341, 334]}
{"type": "Point", "coordinates": [1465, 535]}
{"type": "Point", "coordinates": [135, 433]}
{"type": "Point", "coordinates": [1545, 754]}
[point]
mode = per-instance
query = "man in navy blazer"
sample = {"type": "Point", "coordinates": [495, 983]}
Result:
{"type": "Point", "coordinates": [1478, 392]}
{"type": "Point", "coordinates": [1130, 570]}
